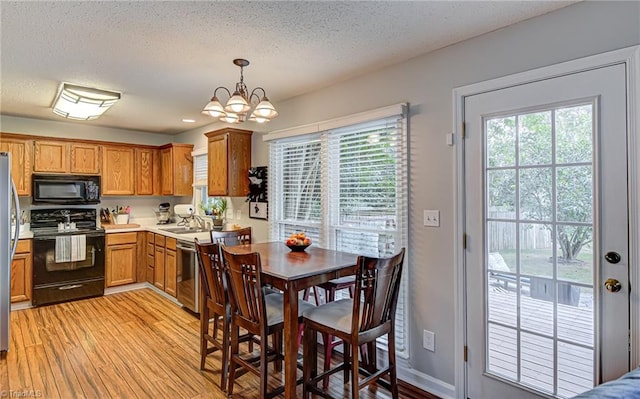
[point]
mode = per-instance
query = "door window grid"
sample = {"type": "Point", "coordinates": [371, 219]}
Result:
{"type": "Point", "coordinates": [505, 169]}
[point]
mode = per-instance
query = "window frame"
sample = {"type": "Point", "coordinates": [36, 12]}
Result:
{"type": "Point", "coordinates": [328, 226]}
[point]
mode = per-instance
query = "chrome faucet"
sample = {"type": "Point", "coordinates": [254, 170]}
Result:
{"type": "Point", "coordinates": [67, 219]}
{"type": "Point", "coordinates": [199, 220]}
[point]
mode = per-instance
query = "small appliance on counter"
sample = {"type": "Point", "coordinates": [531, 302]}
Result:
{"type": "Point", "coordinates": [163, 213]}
{"type": "Point", "coordinates": [184, 211]}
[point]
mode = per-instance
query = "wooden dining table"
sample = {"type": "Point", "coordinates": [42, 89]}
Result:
{"type": "Point", "coordinates": [292, 272]}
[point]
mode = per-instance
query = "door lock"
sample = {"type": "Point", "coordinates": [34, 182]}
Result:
{"type": "Point", "coordinates": [612, 257]}
{"type": "Point", "coordinates": [612, 285]}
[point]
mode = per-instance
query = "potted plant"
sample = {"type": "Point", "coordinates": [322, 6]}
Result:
{"type": "Point", "coordinates": [216, 207]}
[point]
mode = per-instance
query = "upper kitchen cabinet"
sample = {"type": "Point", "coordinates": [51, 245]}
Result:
{"type": "Point", "coordinates": [147, 171]}
{"type": "Point", "coordinates": [229, 160]}
{"type": "Point", "coordinates": [85, 158]}
{"type": "Point", "coordinates": [176, 166]}
{"type": "Point", "coordinates": [118, 170]}
{"type": "Point", "coordinates": [66, 157]}
{"type": "Point", "coordinates": [51, 157]}
{"type": "Point", "coordinates": [21, 158]}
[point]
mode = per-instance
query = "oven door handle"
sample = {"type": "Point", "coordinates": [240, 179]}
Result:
{"type": "Point", "coordinates": [53, 237]}
{"type": "Point", "coordinates": [188, 249]}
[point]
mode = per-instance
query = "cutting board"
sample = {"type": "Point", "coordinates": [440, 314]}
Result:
{"type": "Point", "coordinates": [120, 226]}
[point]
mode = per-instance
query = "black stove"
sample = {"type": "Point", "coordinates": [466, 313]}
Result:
{"type": "Point", "coordinates": [64, 221]}
{"type": "Point", "coordinates": [68, 255]}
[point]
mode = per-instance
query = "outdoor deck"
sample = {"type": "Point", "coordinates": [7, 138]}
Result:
{"type": "Point", "coordinates": [574, 337]}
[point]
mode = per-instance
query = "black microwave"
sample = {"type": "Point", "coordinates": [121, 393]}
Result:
{"type": "Point", "coordinates": [66, 189]}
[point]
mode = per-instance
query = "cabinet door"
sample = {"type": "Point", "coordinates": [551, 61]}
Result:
{"type": "Point", "coordinates": [146, 171]}
{"type": "Point", "coordinates": [166, 167]}
{"type": "Point", "coordinates": [21, 160]}
{"type": "Point", "coordinates": [217, 165]}
{"type": "Point", "coordinates": [85, 158]}
{"type": "Point", "coordinates": [182, 170]}
{"type": "Point", "coordinates": [170, 278]}
{"type": "Point", "coordinates": [238, 163]}
{"type": "Point", "coordinates": [158, 270]}
{"type": "Point", "coordinates": [120, 265]}
{"type": "Point", "coordinates": [21, 277]}
{"type": "Point", "coordinates": [117, 171]}
{"type": "Point", "coordinates": [51, 156]}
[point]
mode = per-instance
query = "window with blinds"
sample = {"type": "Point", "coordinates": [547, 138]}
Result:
{"type": "Point", "coordinates": [199, 180]}
{"type": "Point", "coordinates": [346, 187]}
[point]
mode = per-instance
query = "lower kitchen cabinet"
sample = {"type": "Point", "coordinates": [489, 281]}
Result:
{"type": "Point", "coordinates": [21, 272]}
{"type": "Point", "coordinates": [158, 270]}
{"type": "Point", "coordinates": [150, 257]}
{"type": "Point", "coordinates": [164, 264]}
{"type": "Point", "coordinates": [121, 259]}
{"type": "Point", "coordinates": [170, 278]}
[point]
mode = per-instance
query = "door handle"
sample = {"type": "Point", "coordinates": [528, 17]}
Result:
{"type": "Point", "coordinates": [612, 285]}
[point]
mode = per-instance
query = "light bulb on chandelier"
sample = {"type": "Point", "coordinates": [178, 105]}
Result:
{"type": "Point", "coordinates": [240, 102]}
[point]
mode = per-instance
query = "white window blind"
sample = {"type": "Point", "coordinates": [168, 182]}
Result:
{"type": "Point", "coordinates": [200, 170]}
{"type": "Point", "coordinates": [199, 181]}
{"type": "Point", "coordinates": [347, 189]}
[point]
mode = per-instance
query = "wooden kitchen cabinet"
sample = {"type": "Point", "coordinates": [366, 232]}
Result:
{"type": "Point", "coordinates": [158, 270]}
{"type": "Point", "coordinates": [164, 264]}
{"type": "Point", "coordinates": [21, 162]}
{"type": "Point", "coordinates": [51, 156]}
{"type": "Point", "coordinates": [121, 258]}
{"type": "Point", "coordinates": [150, 257]}
{"type": "Point", "coordinates": [229, 160]}
{"type": "Point", "coordinates": [66, 157]}
{"type": "Point", "coordinates": [21, 272]}
{"type": "Point", "coordinates": [85, 158]}
{"type": "Point", "coordinates": [176, 168]}
{"type": "Point", "coordinates": [170, 277]}
{"type": "Point", "coordinates": [147, 165]}
{"type": "Point", "coordinates": [118, 170]}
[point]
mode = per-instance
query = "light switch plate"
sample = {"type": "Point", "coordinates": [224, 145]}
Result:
{"type": "Point", "coordinates": [432, 218]}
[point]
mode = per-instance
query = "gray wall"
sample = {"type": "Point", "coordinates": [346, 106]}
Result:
{"type": "Point", "coordinates": [427, 82]}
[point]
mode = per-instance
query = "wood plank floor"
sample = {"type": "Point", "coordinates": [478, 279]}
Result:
{"type": "Point", "coordinates": [135, 344]}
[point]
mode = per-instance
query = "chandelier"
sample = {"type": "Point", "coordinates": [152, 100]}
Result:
{"type": "Point", "coordinates": [241, 102]}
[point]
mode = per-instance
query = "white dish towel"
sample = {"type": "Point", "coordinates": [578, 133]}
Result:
{"type": "Point", "coordinates": [63, 249]}
{"type": "Point", "coordinates": [71, 248]}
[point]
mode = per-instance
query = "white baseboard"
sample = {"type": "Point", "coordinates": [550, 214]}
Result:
{"type": "Point", "coordinates": [424, 381]}
{"type": "Point", "coordinates": [138, 286]}
{"type": "Point", "coordinates": [125, 288]}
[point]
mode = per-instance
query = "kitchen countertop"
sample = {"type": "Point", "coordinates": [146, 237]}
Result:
{"type": "Point", "coordinates": [26, 233]}
{"type": "Point", "coordinates": [161, 229]}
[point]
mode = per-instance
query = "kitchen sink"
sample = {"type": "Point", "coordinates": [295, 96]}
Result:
{"type": "Point", "coordinates": [185, 230]}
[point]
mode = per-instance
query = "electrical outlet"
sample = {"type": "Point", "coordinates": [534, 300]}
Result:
{"type": "Point", "coordinates": [238, 214]}
{"type": "Point", "coordinates": [432, 218]}
{"type": "Point", "coordinates": [429, 340]}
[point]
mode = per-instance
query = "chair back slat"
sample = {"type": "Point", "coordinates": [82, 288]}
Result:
{"type": "Point", "coordinates": [212, 269]}
{"type": "Point", "coordinates": [246, 295]}
{"type": "Point", "coordinates": [233, 237]}
{"type": "Point", "coordinates": [378, 287]}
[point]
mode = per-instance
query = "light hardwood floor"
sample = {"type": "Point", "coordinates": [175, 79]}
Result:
{"type": "Point", "coordinates": [135, 344]}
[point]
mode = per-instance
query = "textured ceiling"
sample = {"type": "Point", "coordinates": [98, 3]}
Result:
{"type": "Point", "coordinates": [167, 57]}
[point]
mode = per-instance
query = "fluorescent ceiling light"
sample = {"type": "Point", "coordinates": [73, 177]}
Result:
{"type": "Point", "coordinates": [83, 103]}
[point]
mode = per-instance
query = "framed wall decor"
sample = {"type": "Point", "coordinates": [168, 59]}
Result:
{"type": "Point", "coordinates": [258, 210]}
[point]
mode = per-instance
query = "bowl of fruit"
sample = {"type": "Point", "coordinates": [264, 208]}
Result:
{"type": "Point", "coordinates": [298, 242]}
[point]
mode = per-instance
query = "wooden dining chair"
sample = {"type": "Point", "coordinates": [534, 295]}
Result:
{"type": "Point", "coordinates": [215, 306]}
{"type": "Point", "coordinates": [257, 313]}
{"type": "Point", "coordinates": [361, 320]}
{"type": "Point", "coordinates": [232, 237]}
{"type": "Point", "coordinates": [329, 291]}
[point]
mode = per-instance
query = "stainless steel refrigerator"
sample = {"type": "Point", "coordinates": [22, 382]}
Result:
{"type": "Point", "coordinates": [8, 243]}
